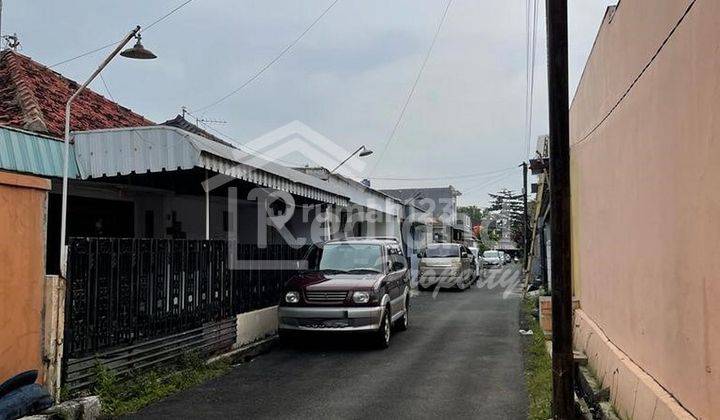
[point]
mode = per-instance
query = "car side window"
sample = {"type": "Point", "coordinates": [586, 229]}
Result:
{"type": "Point", "coordinates": [397, 259]}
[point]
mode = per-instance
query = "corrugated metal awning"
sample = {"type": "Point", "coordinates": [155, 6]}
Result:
{"type": "Point", "coordinates": [160, 148]}
{"type": "Point", "coordinates": [31, 153]}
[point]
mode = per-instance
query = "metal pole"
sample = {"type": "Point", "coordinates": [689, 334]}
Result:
{"type": "Point", "coordinates": [562, 357]}
{"type": "Point", "coordinates": [207, 207]}
{"type": "Point", "coordinates": [1, 7]}
{"type": "Point", "coordinates": [348, 158]}
{"type": "Point", "coordinates": [66, 151]}
{"type": "Point", "coordinates": [526, 233]}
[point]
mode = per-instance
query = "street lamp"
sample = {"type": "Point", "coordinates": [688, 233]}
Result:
{"type": "Point", "coordinates": [136, 52]}
{"type": "Point", "coordinates": [364, 151]}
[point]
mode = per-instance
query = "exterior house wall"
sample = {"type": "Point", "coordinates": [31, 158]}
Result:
{"type": "Point", "coordinates": [645, 204]}
{"type": "Point", "coordinates": [23, 221]}
{"type": "Point", "coordinates": [189, 210]}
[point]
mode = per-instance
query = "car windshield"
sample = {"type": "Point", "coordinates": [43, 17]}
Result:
{"type": "Point", "coordinates": [442, 251]}
{"type": "Point", "coordinates": [491, 254]}
{"type": "Point", "coordinates": [351, 257]}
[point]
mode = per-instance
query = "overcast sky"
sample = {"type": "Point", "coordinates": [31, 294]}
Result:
{"type": "Point", "coordinates": [347, 78]}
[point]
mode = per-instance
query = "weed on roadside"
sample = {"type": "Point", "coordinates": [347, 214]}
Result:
{"type": "Point", "coordinates": [132, 392]}
{"type": "Point", "coordinates": [538, 365]}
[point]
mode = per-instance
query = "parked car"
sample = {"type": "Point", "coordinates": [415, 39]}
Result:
{"type": "Point", "coordinates": [492, 258]}
{"type": "Point", "coordinates": [351, 285]}
{"type": "Point", "coordinates": [477, 258]}
{"type": "Point", "coordinates": [446, 265]}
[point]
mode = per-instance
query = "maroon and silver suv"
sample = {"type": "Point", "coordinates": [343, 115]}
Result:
{"type": "Point", "coordinates": [351, 285]}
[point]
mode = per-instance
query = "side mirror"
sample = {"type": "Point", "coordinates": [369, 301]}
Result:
{"type": "Point", "coordinates": [419, 254]}
{"type": "Point", "coordinates": [464, 254]}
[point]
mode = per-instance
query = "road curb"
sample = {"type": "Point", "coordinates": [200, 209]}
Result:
{"type": "Point", "coordinates": [248, 351]}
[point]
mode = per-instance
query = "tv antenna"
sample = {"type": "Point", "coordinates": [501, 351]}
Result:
{"type": "Point", "coordinates": [11, 41]}
{"type": "Point", "coordinates": [198, 120]}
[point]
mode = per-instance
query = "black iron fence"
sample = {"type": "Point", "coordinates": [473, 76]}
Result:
{"type": "Point", "coordinates": [129, 299]}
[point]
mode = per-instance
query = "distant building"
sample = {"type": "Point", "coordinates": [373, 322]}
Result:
{"type": "Point", "coordinates": [441, 202]}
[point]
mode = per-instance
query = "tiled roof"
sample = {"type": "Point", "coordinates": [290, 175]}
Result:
{"type": "Point", "coordinates": [33, 97]}
{"type": "Point", "coordinates": [183, 124]}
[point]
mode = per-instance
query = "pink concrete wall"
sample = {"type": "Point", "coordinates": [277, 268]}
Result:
{"type": "Point", "coordinates": [646, 194]}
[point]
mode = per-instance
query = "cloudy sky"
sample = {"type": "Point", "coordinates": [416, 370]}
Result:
{"type": "Point", "coordinates": [347, 78]}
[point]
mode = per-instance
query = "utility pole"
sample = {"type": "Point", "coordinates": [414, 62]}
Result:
{"type": "Point", "coordinates": [562, 357]}
{"type": "Point", "coordinates": [526, 230]}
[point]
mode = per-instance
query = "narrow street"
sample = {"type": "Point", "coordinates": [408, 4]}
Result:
{"type": "Point", "coordinates": [461, 358]}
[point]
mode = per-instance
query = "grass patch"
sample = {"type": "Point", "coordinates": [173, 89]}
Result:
{"type": "Point", "coordinates": [129, 394]}
{"type": "Point", "coordinates": [538, 365]}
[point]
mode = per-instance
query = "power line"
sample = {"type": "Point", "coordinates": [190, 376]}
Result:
{"type": "Point", "coordinates": [490, 182]}
{"type": "Point", "coordinates": [471, 175]}
{"type": "Point", "coordinates": [107, 89]}
{"type": "Point", "coordinates": [165, 16]}
{"type": "Point", "coordinates": [642, 72]}
{"type": "Point", "coordinates": [84, 54]}
{"type": "Point", "coordinates": [532, 79]}
{"type": "Point", "coordinates": [271, 62]}
{"type": "Point", "coordinates": [530, 49]}
{"type": "Point", "coordinates": [110, 44]}
{"type": "Point", "coordinates": [240, 145]}
{"type": "Point", "coordinates": [414, 86]}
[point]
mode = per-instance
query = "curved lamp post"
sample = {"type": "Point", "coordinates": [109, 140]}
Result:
{"type": "Point", "coordinates": [136, 52]}
{"type": "Point", "coordinates": [364, 151]}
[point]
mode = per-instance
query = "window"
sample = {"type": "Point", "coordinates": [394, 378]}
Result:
{"type": "Point", "coordinates": [442, 251]}
{"type": "Point", "coordinates": [347, 257]}
{"type": "Point", "coordinates": [396, 258]}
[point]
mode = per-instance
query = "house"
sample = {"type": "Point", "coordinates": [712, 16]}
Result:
{"type": "Point", "coordinates": [377, 213]}
{"type": "Point", "coordinates": [167, 227]}
{"type": "Point", "coordinates": [130, 177]}
{"type": "Point", "coordinates": [441, 202]}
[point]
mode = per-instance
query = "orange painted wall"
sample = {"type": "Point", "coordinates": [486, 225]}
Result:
{"type": "Point", "coordinates": [23, 203]}
{"type": "Point", "coordinates": [646, 194]}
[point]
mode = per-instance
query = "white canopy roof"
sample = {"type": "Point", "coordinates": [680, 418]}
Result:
{"type": "Point", "coordinates": [123, 151]}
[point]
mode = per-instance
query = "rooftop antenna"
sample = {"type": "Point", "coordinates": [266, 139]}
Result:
{"type": "Point", "coordinates": [208, 121]}
{"type": "Point", "coordinates": [11, 41]}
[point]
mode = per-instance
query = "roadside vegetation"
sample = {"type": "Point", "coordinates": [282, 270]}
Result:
{"type": "Point", "coordinates": [129, 394]}
{"type": "Point", "coordinates": [538, 365]}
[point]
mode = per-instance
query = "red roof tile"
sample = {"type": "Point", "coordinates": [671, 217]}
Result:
{"type": "Point", "coordinates": [33, 97]}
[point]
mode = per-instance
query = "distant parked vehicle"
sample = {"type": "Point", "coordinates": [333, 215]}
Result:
{"type": "Point", "coordinates": [492, 258]}
{"type": "Point", "coordinates": [446, 265]}
{"type": "Point", "coordinates": [351, 285]}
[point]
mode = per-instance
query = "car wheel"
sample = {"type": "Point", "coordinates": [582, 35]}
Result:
{"type": "Point", "coordinates": [461, 284]}
{"type": "Point", "coordinates": [382, 335]}
{"type": "Point", "coordinates": [404, 322]}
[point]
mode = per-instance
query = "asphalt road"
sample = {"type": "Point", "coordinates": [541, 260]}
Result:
{"type": "Point", "coordinates": [460, 358]}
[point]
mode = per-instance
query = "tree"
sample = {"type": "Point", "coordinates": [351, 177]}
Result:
{"type": "Point", "coordinates": [507, 212]}
{"type": "Point", "coordinates": [476, 213]}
